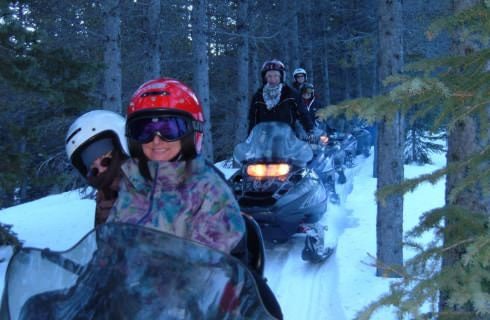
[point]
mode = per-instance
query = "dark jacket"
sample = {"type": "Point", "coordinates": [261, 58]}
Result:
{"type": "Point", "coordinates": [107, 186]}
{"type": "Point", "coordinates": [288, 110]}
{"type": "Point", "coordinates": [312, 106]}
{"type": "Point", "coordinates": [104, 200]}
{"type": "Point", "coordinates": [297, 86]}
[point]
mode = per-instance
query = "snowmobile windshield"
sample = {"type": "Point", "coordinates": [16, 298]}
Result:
{"type": "Point", "coordinates": [124, 271]}
{"type": "Point", "coordinates": [273, 142]}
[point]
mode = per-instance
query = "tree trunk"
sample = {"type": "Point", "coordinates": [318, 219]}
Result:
{"type": "Point", "coordinates": [464, 140]}
{"type": "Point", "coordinates": [347, 82]}
{"type": "Point", "coordinates": [375, 91]}
{"type": "Point", "coordinates": [112, 94]}
{"type": "Point", "coordinates": [325, 77]}
{"type": "Point", "coordinates": [152, 46]}
{"type": "Point", "coordinates": [201, 69]}
{"type": "Point", "coordinates": [307, 55]}
{"type": "Point", "coordinates": [242, 70]}
{"type": "Point", "coordinates": [390, 135]}
{"type": "Point", "coordinates": [293, 35]}
{"type": "Point", "coordinates": [358, 74]}
{"type": "Point", "coordinates": [254, 75]}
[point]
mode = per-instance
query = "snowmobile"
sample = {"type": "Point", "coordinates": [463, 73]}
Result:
{"type": "Point", "coordinates": [125, 271]}
{"type": "Point", "coordinates": [348, 147]}
{"type": "Point", "coordinates": [326, 162]}
{"type": "Point", "coordinates": [276, 186]}
{"type": "Point", "coordinates": [364, 140]}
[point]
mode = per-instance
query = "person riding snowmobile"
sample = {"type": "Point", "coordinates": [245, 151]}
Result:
{"type": "Point", "coordinates": [96, 147]}
{"type": "Point", "coordinates": [168, 186]}
{"type": "Point", "coordinates": [276, 101]}
{"type": "Point", "coordinates": [276, 186]}
{"type": "Point", "coordinates": [166, 183]}
{"type": "Point", "coordinates": [299, 78]}
{"type": "Point", "coordinates": [313, 105]}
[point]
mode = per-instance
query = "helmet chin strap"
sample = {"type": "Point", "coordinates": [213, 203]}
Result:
{"type": "Point", "coordinates": [198, 126]}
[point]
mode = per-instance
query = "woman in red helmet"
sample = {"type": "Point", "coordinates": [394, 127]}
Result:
{"type": "Point", "coordinates": [166, 184]}
{"type": "Point", "coordinates": [276, 101]}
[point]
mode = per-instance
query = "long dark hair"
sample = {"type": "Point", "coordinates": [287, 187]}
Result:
{"type": "Point", "coordinates": [187, 153]}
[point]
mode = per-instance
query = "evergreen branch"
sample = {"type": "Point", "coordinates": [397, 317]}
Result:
{"type": "Point", "coordinates": [389, 269]}
{"type": "Point", "coordinates": [468, 110]}
{"type": "Point", "coordinates": [8, 237]}
{"type": "Point", "coordinates": [410, 185]}
{"type": "Point", "coordinates": [475, 175]}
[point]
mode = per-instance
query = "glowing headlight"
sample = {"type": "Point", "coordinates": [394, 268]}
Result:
{"type": "Point", "coordinates": [324, 139]}
{"type": "Point", "coordinates": [268, 170]}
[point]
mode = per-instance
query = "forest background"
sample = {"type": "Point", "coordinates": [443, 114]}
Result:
{"type": "Point", "coordinates": [59, 60]}
{"type": "Point", "coordinates": [415, 69]}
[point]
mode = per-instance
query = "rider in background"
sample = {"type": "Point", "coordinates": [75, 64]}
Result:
{"type": "Point", "coordinates": [276, 101]}
{"type": "Point", "coordinates": [96, 146]}
{"type": "Point", "coordinates": [312, 105]}
{"type": "Point", "coordinates": [299, 78]}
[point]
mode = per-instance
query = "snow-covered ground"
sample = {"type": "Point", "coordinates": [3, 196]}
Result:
{"type": "Point", "coordinates": [336, 289]}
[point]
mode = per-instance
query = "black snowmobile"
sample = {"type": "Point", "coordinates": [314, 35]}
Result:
{"type": "Point", "coordinates": [276, 186]}
{"type": "Point", "coordinates": [125, 271]}
{"type": "Point", "coordinates": [364, 140]}
{"type": "Point", "coordinates": [347, 145]}
{"type": "Point", "coordinates": [326, 163]}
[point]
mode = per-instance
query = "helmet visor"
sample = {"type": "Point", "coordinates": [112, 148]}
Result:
{"type": "Point", "coordinates": [170, 128]}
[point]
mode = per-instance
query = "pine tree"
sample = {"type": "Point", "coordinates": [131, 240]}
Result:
{"type": "Point", "coordinates": [41, 87]}
{"type": "Point", "coordinates": [422, 141]}
{"type": "Point", "coordinates": [459, 86]}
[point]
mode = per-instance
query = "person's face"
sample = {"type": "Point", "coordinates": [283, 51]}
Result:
{"type": "Point", "coordinates": [100, 165]}
{"type": "Point", "coordinates": [306, 95]}
{"type": "Point", "coordinates": [300, 78]}
{"type": "Point", "coordinates": [161, 150]}
{"type": "Point", "coordinates": [273, 77]}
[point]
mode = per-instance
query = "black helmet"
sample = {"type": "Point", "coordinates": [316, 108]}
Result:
{"type": "Point", "coordinates": [308, 87]}
{"type": "Point", "coordinates": [273, 65]}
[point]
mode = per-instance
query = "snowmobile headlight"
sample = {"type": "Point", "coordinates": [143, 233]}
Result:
{"type": "Point", "coordinates": [324, 139]}
{"type": "Point", "coordinates": [261, 170]}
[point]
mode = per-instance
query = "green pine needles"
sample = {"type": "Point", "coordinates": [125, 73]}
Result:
{"type": "Point", "coordinates": [448, 277]}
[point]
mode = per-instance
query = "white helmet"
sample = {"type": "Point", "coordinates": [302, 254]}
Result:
{"type": "Point", "coordinates": [92, 126]}
{"type": "Point", "coordinates": [299, 71]}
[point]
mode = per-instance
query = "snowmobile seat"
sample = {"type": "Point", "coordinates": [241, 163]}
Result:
{"type": "Point", "coordinates": [250, 250]}
{"type": "Point", "coordinates": [255, 245]}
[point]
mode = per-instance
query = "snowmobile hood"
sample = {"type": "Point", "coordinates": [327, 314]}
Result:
{"type": "Point", "coordinates": [272, 142]}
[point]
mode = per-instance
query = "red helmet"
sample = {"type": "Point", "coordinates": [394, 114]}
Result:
{"type": "Point", "coordinates": [273, 64]}
{"type": "Point", "coordinates": [167, 96]}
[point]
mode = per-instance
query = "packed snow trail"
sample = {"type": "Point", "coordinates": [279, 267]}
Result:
{"type": "Point", "coordinates": [293, 280]}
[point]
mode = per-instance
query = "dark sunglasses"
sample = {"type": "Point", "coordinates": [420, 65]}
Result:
{"type": "Point", "coordinates": [105, 162]}
{"type": "Point", "coordinates": [171, 128]}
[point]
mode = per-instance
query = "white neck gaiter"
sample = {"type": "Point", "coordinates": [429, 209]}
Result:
{"type": "Point", "coordinates": [271, 95]}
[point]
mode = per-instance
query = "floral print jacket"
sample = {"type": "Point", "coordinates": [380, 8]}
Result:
{"type": "Point", "coordinates": [191, 201]}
